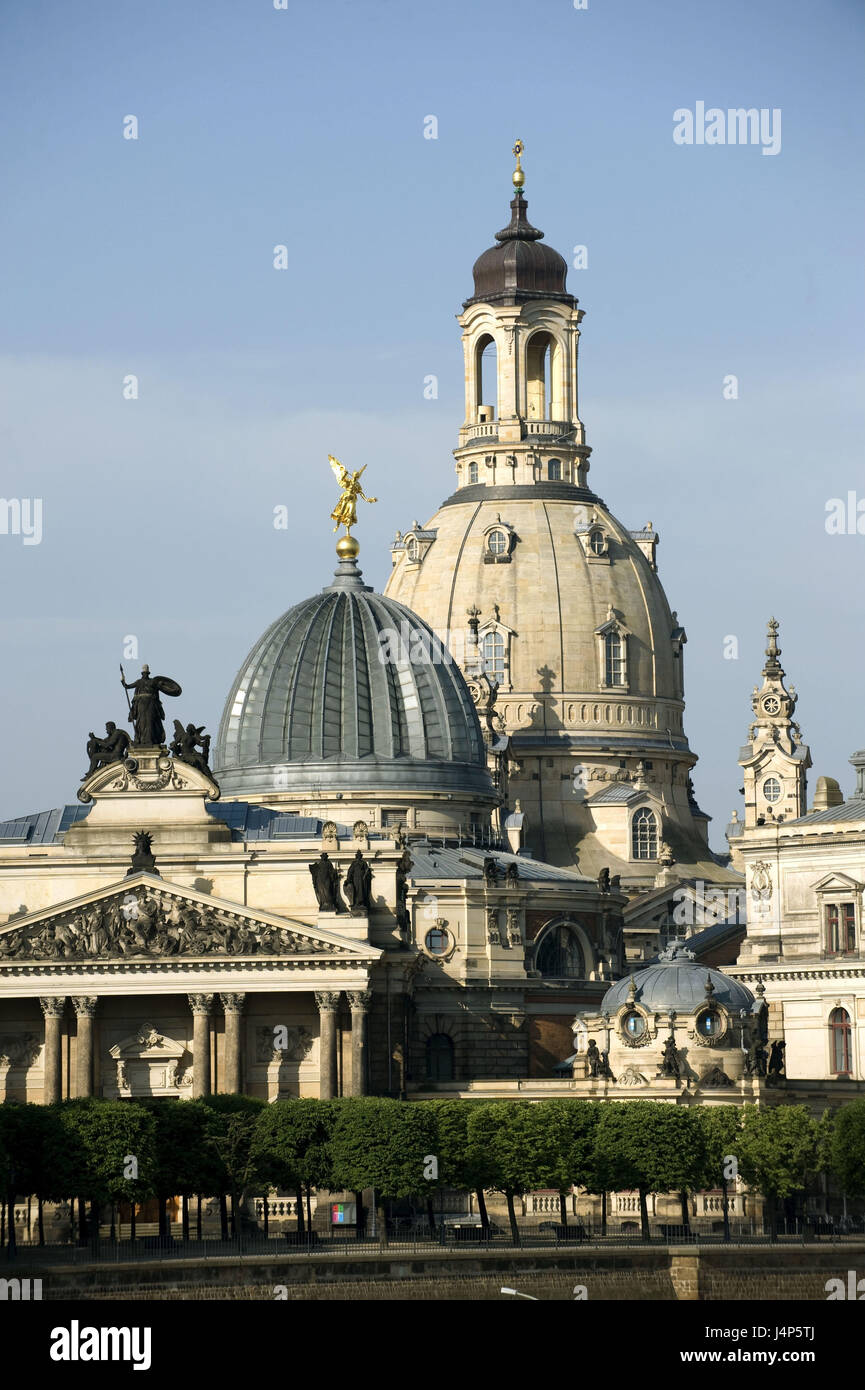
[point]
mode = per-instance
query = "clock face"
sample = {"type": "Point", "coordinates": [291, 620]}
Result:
{"type": "Point", "coordinates": [771, 704]}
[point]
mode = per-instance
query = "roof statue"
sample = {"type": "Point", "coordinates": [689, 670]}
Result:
{"type": "Point", "coordinates": [345, 511]}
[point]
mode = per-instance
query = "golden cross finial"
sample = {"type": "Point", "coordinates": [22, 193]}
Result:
{"type": "Point", "coordinates": [519, 177]}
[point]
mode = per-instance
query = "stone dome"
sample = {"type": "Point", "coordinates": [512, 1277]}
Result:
{"type": "Point", "coordinates": [350, 694]}
{"type": "Point", "coordinates": [677, 981]}
{"type": "Point", "coordinates": [519, 268]}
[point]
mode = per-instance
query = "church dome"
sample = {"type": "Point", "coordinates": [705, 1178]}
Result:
{"type": "Point", "coordinates": [677, 981]}
{"type": "Point", "coordinates": [351, 694]}
{"type": "Point", "coordinates": [519, 268]}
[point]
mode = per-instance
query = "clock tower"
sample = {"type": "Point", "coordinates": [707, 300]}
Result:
{"type": "Point", "coordinates": [775, 760]}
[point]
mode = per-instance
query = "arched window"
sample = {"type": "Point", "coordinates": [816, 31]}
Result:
{"type": "Point", "coordinates": [543, 376]}
{"type": "Point", "coordinates": [644, 834]}
{"type": "Point", "coordinates": [497, 542]}
{"type": "Point", "coordinates": [560, 956]}
{"type": "Point", "coordinates": [554, 470]}
{"type": "Point", "coordinates": [411, 549]}
{"type": "Point", "coordinates": [614, 659]}
{"type": "Point", "coordinates": [840, 1042]}
{"type": "Point", "coordinates": [597, 543]}
{"type": "Point", "coordinates": [486, 380]}
{"type": "Point", "coordinates": [440, 1058]}
{"type": "Point", "coordinates": [494, 656]}
{"type": "Point", "coordinates": [473, 472]}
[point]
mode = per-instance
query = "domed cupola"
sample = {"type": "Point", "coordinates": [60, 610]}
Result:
{"type": "Point", "coordinates": [349, 697]}
{"type": "Point", "coordinates": [519, 268]}
{"type": "Point", "coordinates": [677, 981]}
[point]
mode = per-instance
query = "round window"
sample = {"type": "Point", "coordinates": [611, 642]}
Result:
{"type": "Point", "coordinates": [772, 789]}
{"type": "Point", "coordinates": [633, 1024]}
{"type": "Point", "coordinates": [771, 704]}
{"type": "Point", "coordinates": [709, 1023]}
{"type": "Point", "coordinates": [437, 941]}
{"type": "Point", "coordinates": [497, 542]}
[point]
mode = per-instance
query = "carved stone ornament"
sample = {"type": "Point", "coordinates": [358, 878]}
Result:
{"type": "Point", "coordinates": [19, 1049]}
{"type": "Point", "coordinates": [299, 1043]}
{"type": "Point", "coordinates": [515, 935]}
{"type": "Point", "coordinates": [714, 1078]}
{"type": "Point", "coordinates": [631, 1076]}
{"type": "Point", "coordinates": [493, 934]}
{"type": "Point", "coordinates": [761, 886]}
{"type": "Point", "coordinates": [152, 923]}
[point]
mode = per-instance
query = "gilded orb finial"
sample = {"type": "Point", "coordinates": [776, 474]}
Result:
{"type": "Point", "coordinates": [519, 177]}
{"type": "Point", "coordinates": [345, 511]}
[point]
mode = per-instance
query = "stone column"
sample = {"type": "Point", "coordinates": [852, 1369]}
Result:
{"type": "Point", "coordinates": [359, 1002]}
{"type": "Point", "coordinates": [328, 1002]}
{"type": "Point", "coordinates": [200, 1005]}
{"type": "Point", "coordinates": [53, 1010]}
{"type": "Point", "coordinates": [85, 1011]}
{"type": "Point", "coordinates": [233, 1006]}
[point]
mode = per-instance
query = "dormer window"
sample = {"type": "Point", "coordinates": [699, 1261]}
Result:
{"type": "Point", "coordinates": [494, 659]}
{"type": "Point", "coordinates": [614, 659]}
{"type": "Point", "coordinates": [597, 542]}
{"type": "Point", "coordinates": [497, 542]}
{"type": "Point", "coordinates": [411, 551]}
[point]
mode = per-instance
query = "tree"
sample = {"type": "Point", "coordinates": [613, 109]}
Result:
{"type": "Point", "coordinates": [382, 1144]}
{"type": "Point", "coordinates": [462, 1164]}
{"type": "Point", "coordinates": [847, 1148]}
{"type": "Point", "coordinates": [228, 1132]}
{"type": "Point", "coordinates": [291, 1147]}
{"type": "Point", "coordinates": [185, 1163]}
{"type": "Point", "coordinates": [518, 1147]}
{"type": "Point", "coordinates": [780, 1150]}
{"type": "Point", "coordinates": [570, 1127]}
{"type": "Point", "coordinates": [721, 1126]}
{"type": "Point", "coordinates": [112, 1153]}
{"type": "Point", "coordinates": [651, 1147]}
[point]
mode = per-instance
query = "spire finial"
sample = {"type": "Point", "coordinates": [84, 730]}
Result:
{"type": "Point", "coordinates": [519, 177]}
{"type": "Point", "coordinates": [345, 511]}
{"type": "Point", "coordinates": [773, 651]}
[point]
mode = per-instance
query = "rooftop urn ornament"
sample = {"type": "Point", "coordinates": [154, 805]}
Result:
{"type": "Point", "coordinates": [345, 511]}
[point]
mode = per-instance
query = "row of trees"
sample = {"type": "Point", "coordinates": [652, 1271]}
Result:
{"type": "Point", "coordinates": [110, 1153]}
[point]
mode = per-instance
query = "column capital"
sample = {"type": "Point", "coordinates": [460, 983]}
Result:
{"type": "Point", "coordinates": [327, 1000]}
{"type": "Point", "coordinates": [200, 1003]}
{"type": "Point", "coordinates": [53, 1006]}
{"type": "Point", "coordinates": [359, 1000]}
{"type": "Point", "coordinates": [85, 1005]}
{"type": "Point", "coordinates": [233, 1003]}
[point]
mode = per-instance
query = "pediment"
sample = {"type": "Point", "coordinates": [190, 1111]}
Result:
{"type": "Point", "coordinates": [837, 883]}
{"type": "Point", "coordinates": [147, 1045]}
{"type": "Point", "coordinates": [144, 917]}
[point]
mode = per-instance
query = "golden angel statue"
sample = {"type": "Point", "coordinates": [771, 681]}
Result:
{"type": "Point", "coordinates": [345, 511]}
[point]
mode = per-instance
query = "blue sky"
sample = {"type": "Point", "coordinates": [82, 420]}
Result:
{"type": "Point", "coordinates": [304, 127]}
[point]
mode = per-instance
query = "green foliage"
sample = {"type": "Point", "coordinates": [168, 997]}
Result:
{"type": "Point", "coordinates": [649, 1146]}
{"type": "Point", "coordinates": [512, 1138]}
{"type": "Point", "coordinates": [103, 1136]}
{"type": "Point", "coordinates": [185, 1160]}
{"type": "Point", "coordinates": [721, 1126]}
{"type": "Point", "coordinates": [780, 1148]}
{"type": "Point", "coordinates": [228, 1131]}
{"type": "Point", "coordinates": [382, 1144]}
{"type": "Point", "coordinates": [291, 1143]}
{"type": "Point", "coordinates": [847, 1148]}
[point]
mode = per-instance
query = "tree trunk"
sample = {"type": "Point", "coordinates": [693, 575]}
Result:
{"type": "Point", "coordinates": [563, 1208]}
{"type": "Point", "coordinates": [686, 1215]}
{"type": "Point", "coordinates": [359, 1215]}
{"type": "Point", "coordinates": [301, 1225]}
{"type": "Point", "coordinates": [12, 1239]}
{"type": "Point", "coordinates": [431, 1217]}
{"type": "Point", "coordinates": [381, 1221]}
{"type": "Point", "coordinates": [773, 1215]}
{"type": "Point", "coordinates": [40, 1218]}
{"type": "Point", "coordinates": [512, 1216]}
{"type": "Point", "coordinates": [234, 1213]}
{"type": "Point", "coordinates": [603, 1213]}
{"type": "Point", "coordinates": [132, 1221]}
{"type": "Point", "coordinates": [162, 1212]}
{"type": "Point", "coordinates": [482, 1211]}
{"type": "Point", "coordinates": [644, 1215]}
{"type": "Point", "coordinates": [309, 1206]}
{"type": "Point", "coordinates": [113, 1223]}
{"type": "Point", "coordinates": [198, 1218]}
{"type": "Point", "coordinates": [184, 1208]}
{"type": "Point", "coordinates": [726, 1207]}
{"type": "Point", "coordinates": [266, 1214]}
{"type": "Point", "coordinates": [82, 1221]}
{"type": "Point", "coordinates": [223, 1216]}
{"type": "Point", "coordinates": [2, 1221]}
{"type": "Point", "coordinates": [94, 1222]}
